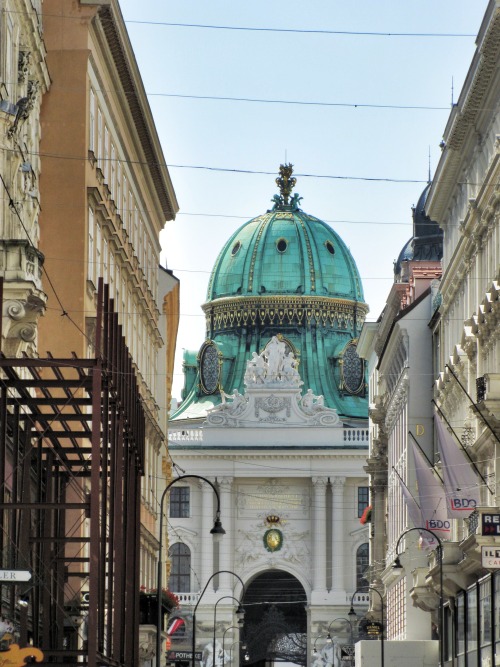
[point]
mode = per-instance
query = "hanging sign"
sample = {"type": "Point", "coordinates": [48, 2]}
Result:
{"type": "Point", "coordinates": [373, 629]}
{"type": "Point", "coordinates": [490, 558]}
{"type": "Point", "coordinates": [490, 524]}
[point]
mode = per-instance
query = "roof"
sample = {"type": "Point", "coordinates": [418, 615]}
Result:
{"type": "Point", "coordinates": [285, 251]}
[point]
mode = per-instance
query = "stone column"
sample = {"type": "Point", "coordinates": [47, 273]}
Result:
{"type": "Point", "coordinates": [319, 538]}
{"type": "Point", "coordinates": [206, 539]}
{"type": "Point", "coordinates": [338, 528]}
{"type": "Point", "coordinates": [226, 581]}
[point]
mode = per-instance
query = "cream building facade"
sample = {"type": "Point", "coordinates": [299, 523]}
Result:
{"type": "Point", "coordinates": [438, 358]}
{"type": "Point", "coordinates": [24, 79]}
{"type": "Point", "coordinates": [90, 152]}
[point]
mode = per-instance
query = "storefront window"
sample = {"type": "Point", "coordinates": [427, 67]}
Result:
{"type": "Point", "coordinates": [496, 588]}
{"type": "Point", "coordinates": [485, 620]}
{"type": "Point", "coordinates": [461, 629]}
{"type": "Point", "coordinates": [472, 627]}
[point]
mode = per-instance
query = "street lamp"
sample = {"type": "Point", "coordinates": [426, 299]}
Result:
{"type": "Point", "coordinates": [240, 615]}
{"type": "Point", "coordinates": [199, 600]}
{"type": "Point", "coordinates": [315, 650]}
{"type": "Point", "coordinates": [243, 646]}
{"type": "Point", "coordinates": [352, 614]}
{"type": "Point", "coordinates": [397, 567]}
{"type": "Point", "coordinates": [346, 620]}
{"type": "Point", "coordinates": [217, 531]}
{"type": "Point", "coordinates": [231, 627]}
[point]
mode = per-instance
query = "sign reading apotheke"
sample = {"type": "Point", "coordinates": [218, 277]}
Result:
{"type": "Point", "coordinates": [184, 655]}
{"type": "Point", "coordinates": [490, 558]}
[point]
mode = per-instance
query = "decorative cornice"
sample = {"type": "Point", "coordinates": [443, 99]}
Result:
{"type": "Point", "coordinates": [281, 310]}
{"type": "Point", "coordinates": [131, 83]}
{"type": "Point", "coordinates": [398, 398]}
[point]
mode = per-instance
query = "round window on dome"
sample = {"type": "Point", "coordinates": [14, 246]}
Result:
{"type": "Point", "coordinates": [329, 247]}
{"type": "Point", "coordinates": [281, 245]}
{"type": "Point", "coordinates": [236, 248]}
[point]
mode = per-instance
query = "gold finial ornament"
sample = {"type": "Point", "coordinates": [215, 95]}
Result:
{"type": "Point", "coordinates": [286, 182]}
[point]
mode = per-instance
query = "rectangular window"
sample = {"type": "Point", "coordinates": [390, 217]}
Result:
{"type": "Point", "coordinates": [363, 499]}
{"type": "Point", "coordinates": [179, 502]}
{"type": "Point", "coordinates": [105, 154]}
{"type": "Point", "coordinates": [112, 171]}
{"type": "Point", "coordinates": [99, 139]}
{"type": "Point", "coordinates": [10, 59]}
{"type": "Point", "coordinates": [130, 215]}
{"type": "Point", "coordinates": [98, 251]}
{"type": "Point", "coordinates": [91, 120]}
{"type": "Point", "coordinates": [118, 198]}
{"type": "Point", "coordinates": [90, 250]}
{"type": "Point", "coordinates": [105, 262]}
{"type": "Point", "coordinates": [135, 230]}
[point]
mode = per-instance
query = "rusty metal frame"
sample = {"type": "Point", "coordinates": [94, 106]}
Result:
{"type": "Point", "coordinates": [72, 437]}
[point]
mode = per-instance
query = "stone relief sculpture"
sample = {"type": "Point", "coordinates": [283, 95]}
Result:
{"type": "Point", "coordinates": [275, 370]}
{"type": "Point", "coordinates": [329, 656]}
{"type": "Point", "coordinates": [311, 403]}
{"type": "Point", "coordinates": [250, 548]}
{"type": "Point", "coordinates": [274, 364]}
{"type": "Point", "coordinates": [238, 401]}
{"type": "Point", "coordinates": [256, 369]}
{"type": "Point", "coordinates": [208, 655]}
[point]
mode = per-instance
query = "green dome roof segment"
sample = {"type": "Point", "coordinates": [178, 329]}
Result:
{"type": "Point", "coordinates": [288, 274]}
{"type": "Point", "coordinates": [285, 251]}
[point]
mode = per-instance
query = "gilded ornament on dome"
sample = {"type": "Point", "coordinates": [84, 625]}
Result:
{"type": "Point", "coordinates": [286, 182]}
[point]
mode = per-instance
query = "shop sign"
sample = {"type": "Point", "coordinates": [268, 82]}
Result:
{"type": "Point", "coordinates": [490, 558]}
{"type": "Point", "coordinates": [490, 524]}
{"type": "Point", "coordinates": [13, 576]}
{"type": "Point", "coordinates": [183, 655]}
{"type": "Point", "coordinates": [373, 629]}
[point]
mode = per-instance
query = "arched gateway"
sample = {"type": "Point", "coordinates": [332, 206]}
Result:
{"type": "Point", "coordinates": [275, 627]}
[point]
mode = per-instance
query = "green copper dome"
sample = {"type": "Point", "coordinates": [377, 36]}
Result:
{"type": "Point", "coordinates": [287, 274]}
{"type": "Point", "coordinates": [285, 251]}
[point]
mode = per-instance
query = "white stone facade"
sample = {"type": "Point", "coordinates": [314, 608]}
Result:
{"type": "Point", "coordinates": [281, 460]}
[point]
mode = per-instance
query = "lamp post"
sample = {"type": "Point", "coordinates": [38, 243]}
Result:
{"type": "Point", "coordinates": [346, 620]}
{"type": "Point", "coordinates": [315, 650]}
{"type": "Point", "coordinates": [199, 600]}
{"type": "Point", "coordinates": [398, 567]}
{"type": "Point", "coordinates": [231, 627]}
{"type": "Point", "coordinates": [217, 531]}
{"type": "Point", "coordinates": [351, 634]}
{"type": "Point", "coordinates": [243, 646]}
{"type": "Point", "coordinates": [240, 615]}
{"type": "Point", "coordinates": [353, 615]}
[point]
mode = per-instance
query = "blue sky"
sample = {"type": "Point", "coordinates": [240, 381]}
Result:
{"type": "Point", "coordinates": [372, 216]}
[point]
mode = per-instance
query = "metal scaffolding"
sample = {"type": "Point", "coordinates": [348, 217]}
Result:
{"type": "Point", "coordinates": [71, 456]}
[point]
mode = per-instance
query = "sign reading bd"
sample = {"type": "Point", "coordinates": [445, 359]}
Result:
{"type": "Point", "coordinates": [490, 524]}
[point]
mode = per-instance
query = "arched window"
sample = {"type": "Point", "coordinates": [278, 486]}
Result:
{"type": "Point", "coordinates": [362, 562]}
{"type": "Point", "coordinates": [180, 568]}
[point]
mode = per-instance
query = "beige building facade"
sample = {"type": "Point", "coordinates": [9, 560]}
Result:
{"type": "Point", "coordinates": [24, 79]}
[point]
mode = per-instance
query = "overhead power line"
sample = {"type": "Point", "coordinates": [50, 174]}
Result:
{"type": "Point", "coordinates": [257, 100]}
{"type": "Point", "coordinates": [303, 31]}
